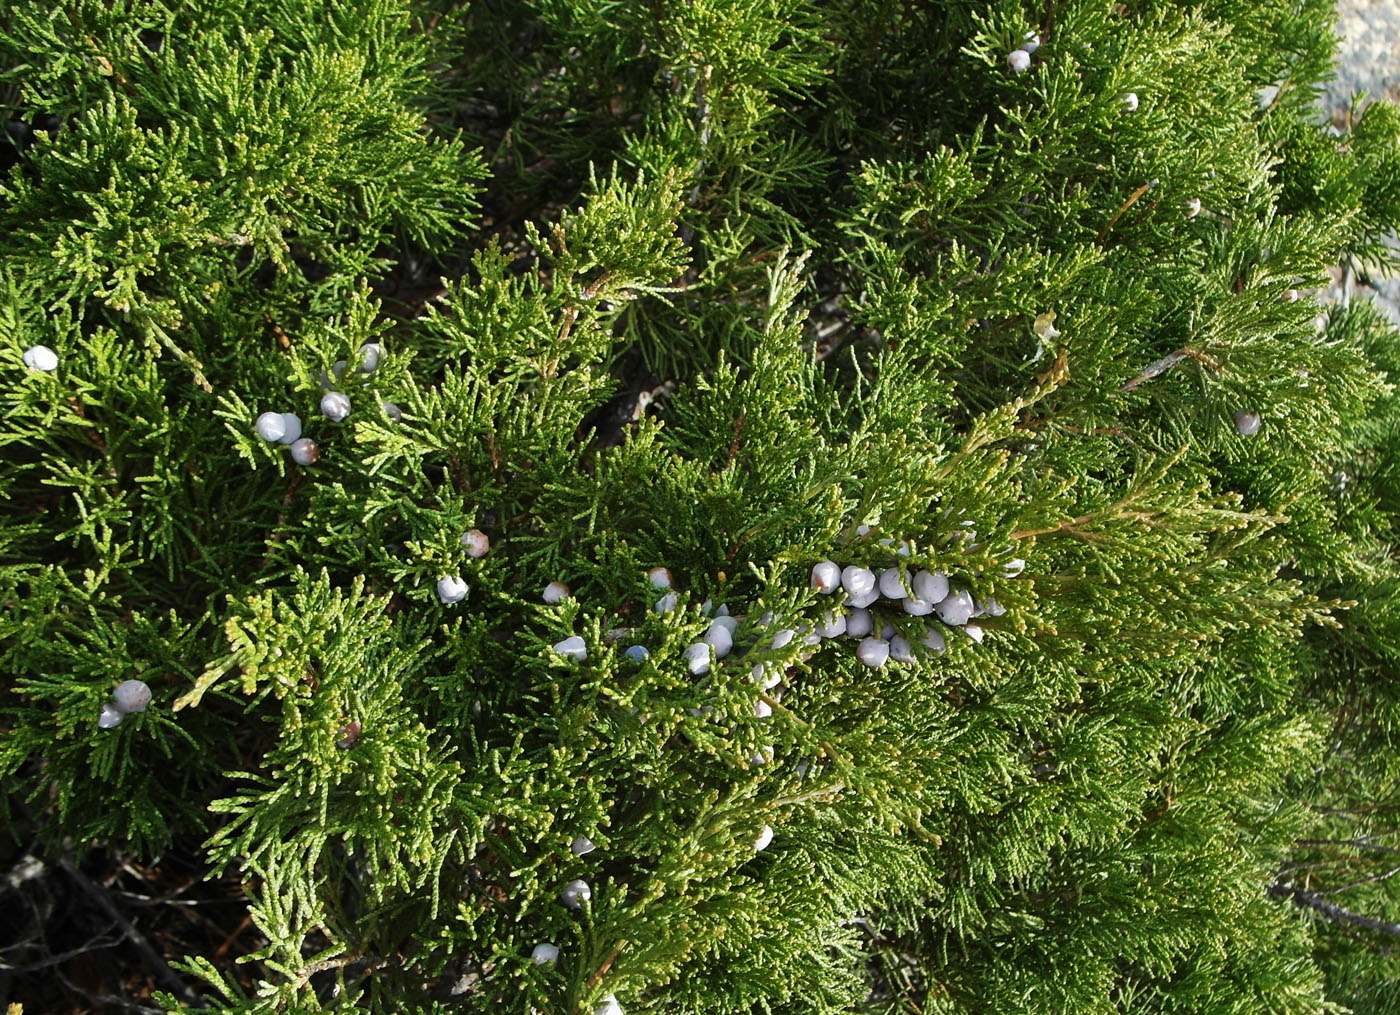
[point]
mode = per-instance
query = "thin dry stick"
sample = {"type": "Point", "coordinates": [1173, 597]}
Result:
{"type": "Point", "coordinates": [1283, 890]}
{"type": "Point", "coordinates": [1132, 200]}
{"type": "Point", "coordinates": [1167, 362]}
{"type": "Point", "coordinates": [152, 958]}
{"type": "Point", "coordinates": [606, 964]}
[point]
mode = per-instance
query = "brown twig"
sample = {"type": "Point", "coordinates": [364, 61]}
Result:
{"type": "Point", "coordinates": [1132, 200]}
{"type": "Point", "coordinates": [606, 964]}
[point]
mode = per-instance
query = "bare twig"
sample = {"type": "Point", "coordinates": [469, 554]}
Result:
{"type": "Point", "coordinates": [1351, 843]}
{"type": "Point", "coordinates": [1313, 900]}
{"type": "Point", "coordinates": [1132, 200]}
{"type": "Point", "coordinates": [1167, 362]}
{"type": "Point", "coordinates": [1357, 884]}
{"type": "Point", "coordinates": [152, 958]}
{"type": "Point", "coordinates": [96, 944]}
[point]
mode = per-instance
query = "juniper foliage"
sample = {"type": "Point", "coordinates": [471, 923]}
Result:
{"type": "Point", "coordinates": [729, 288]}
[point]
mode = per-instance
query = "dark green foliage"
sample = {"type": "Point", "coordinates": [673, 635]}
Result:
{"type": "Point", "coordinates": [729, 288]}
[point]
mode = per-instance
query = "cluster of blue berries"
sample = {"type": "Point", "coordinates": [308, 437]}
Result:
{"type": "Point", "coordinates": [285, 427]}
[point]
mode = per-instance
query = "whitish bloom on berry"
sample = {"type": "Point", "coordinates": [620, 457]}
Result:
{"type": "Point", "coordinates": [572, 647]}
{"type": "Point", "coordinates": [476, 543]}
{"type": "Point", "coordinates": [576, 893]}
{"type": "Point", "coordinates": [858, 623]}
{"type": "Point", "coordinates": [451, 589]}
{"type": "Point", "coordinates": [956, 609]}
{"type": "Point", "coordinates": [873, 652]}
{"type": "Point", "coordinates": [545, 954]}
{"type": "Point", "coordinates": [697, 658]}
{"type": "Point", "coordinates": [892, 584]}
{"type": "Point", "coordinates": [1247, 423]}
{"type": "Point", "coordinates": [304, 451]}
{"type": "Point", "coordinates": [335, 406]}
{"type": "Point", "coordinates": [826, 577]}
{"type": "Point", "coordinates": [40, 357]}
{"type": "Point", "coordinates": [131, 696]}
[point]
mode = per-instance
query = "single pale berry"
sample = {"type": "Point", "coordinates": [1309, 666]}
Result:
{"type": "Point", "coordinates": [1019, 61]}
{"type": "Point", "coordinates": [476, 543]}
{"type": "Point", "coordinates": [581, 845]}
{"type": "Point", "coordinates": [1247, 423]}
{"type": "Point", "coordinates": [271, 426]}
{"type": "Point", "coordinates": [330, 378]}
{"type": "Point", "coordinates": [826, 577]}
{"type": "Point", "coordinates": [900, 649]}
{"type": "Point", "coordinates": [555, 592]}
{"type": "Point", "coordinates": [1192, 207]}
{"type": "Point", "coordinates": [1013, 568]}
{"type": "Point", "coordinates": [697, 658]}
{"type": "Point", "coordinates": [989, 607]}
{"type": "Point", "coordinates": [784, 637]}
{"type": "Point", "coordinates": [576, 893]}
{"type": "Point", "coordinates": [724, 620]}
{"type": "Point", "coordinates": [545, 954]}
{"type": "Point", "coordinates": [609, 1006]}
{"type": "Point", "coordinates": [762, 756]}
{"type": "Point", "coordinates": [931, 586]}
{"type": "Point", "coordinates": [933, 641]}
{"type": "Point", "coordinates": [1130, 102]}
{"type": "Point", "coordinates": [874, 652]}
{"type": "Point", "coordinates": [335, 406]}
{"type": "Point", "coordinates": [762, 710]}
{"type": "Point", "coordinates": [636, 653]}
{"type": "Point", "coordinates": [860, 602]}
{"type": "Point", "coordinates": [667, 603]}
{"type": "Point", "coordinates": [111, 716]}
{"type": "Point", "coordinates": [832, 625]}
{"type": "Point", "coordinates": [892, 584]}
{"type": "Point", "coordinates": [720, 639]}
{"type": "Point", "coordinates": [451, 590]}
{"type": "Point", "coordinates": [764, 838]}
{"type": "Point", "coordinates": [1290, 296]}
{"type": "Point", "coordinates": [858, 581]}
{"type": "Point", "coordinates": [572, 647]}
{"type": "Point", "coordinates": [917, 607]}
{"type": "Point", "coordinates": [974, 632]}
{"type": "Point", "coordinates": [131, 696]}
{"type": "Point", "coordinates": [305, 451]}
{"type": "Point", "coordinates": [660, 577]}
{"type": "Point", "coordinates": [956, 609]}
{"type": "Point", "coordinates": [369, 357]}
{"type": "Point", "coordinates": [767, 677]}
{"type": "Point", "coordinates": [391, 410]}
{"type": "Point", "coordinates": [858, 623]}
{"type": "Point", "coordinates": [40, 357]}
{"type": "Point", "coordinates": [291, 428]}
